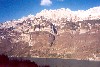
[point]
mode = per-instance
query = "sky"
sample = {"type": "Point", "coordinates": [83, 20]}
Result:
{"type": "Point", "coordinates": [15, 9]}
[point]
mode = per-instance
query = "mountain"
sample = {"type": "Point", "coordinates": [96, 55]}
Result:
{"type": "Point", "coordinates": [60, 33]}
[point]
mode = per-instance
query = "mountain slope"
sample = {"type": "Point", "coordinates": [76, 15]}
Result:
{"type": "Point", "coordinates": [60, 33]}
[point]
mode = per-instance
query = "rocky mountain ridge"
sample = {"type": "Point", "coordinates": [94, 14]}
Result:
{"type": "Point", "coordinates": [50, 20]}
{"type": "Point", "coordinates": [53, 33]}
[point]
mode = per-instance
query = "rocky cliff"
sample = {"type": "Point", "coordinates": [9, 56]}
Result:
{"type": "Point", "coordinates": [53, 33]}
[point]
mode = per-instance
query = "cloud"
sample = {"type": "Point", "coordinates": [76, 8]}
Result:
{"type": "Point", "coordinates": [46, 2]}
{"type": "Point", "coordinates": [60, 0]}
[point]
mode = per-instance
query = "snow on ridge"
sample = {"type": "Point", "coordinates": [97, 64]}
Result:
{"type": "Point", "coordinates": [92, 13]}
{"type": "Point", "coordinates": [25, 18]}
{"type": "Point", "coordinates": [79, 15]}
{"type": "Point", "coordinates": [58, 14]}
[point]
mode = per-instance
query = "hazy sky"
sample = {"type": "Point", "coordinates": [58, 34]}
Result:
{"type": "Point", "coordinates": [15, 9]}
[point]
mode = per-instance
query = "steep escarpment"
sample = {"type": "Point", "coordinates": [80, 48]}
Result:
{"type": "Point", "coordinates": [30, 44]}
{"type": "Point", "coordinates": [53, 35]}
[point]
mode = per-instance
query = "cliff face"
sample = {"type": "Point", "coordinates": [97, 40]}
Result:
{"type": "Point", "coordinates": [39, 36]}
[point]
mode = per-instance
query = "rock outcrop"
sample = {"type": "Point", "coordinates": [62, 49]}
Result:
{"type": "Point", "coordinates": [52, 36]}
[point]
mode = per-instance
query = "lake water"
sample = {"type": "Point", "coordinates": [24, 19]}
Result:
{"type": "Point", "coordinates": [57, 62]}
